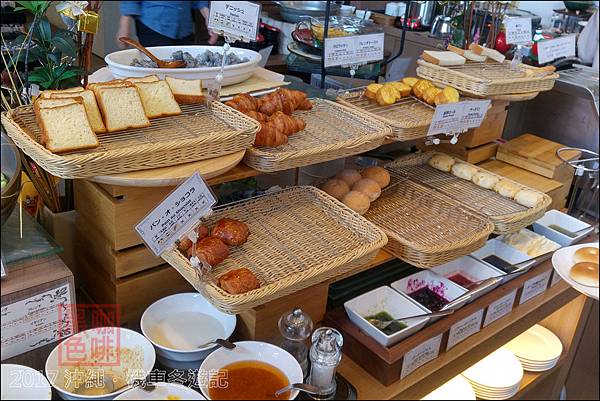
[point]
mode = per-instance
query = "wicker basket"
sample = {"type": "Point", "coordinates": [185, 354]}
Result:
{"type": "Point", "coordinates": [424, 227]}
{"type": "Point", "coordinates": [506, 215]}
{"type": "Point", "coordinates": [486, 79]}
{"type": "Point", "coordinates": [332, 132]}
{"type": "Point", "coordinates": [409, 118]}
{"type": "Point", "coordinates": [299, 237]}
{"type": "Point", "coordinates": [198, 133]}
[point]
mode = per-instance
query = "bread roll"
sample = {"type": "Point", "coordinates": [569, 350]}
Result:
{"type": "Point", "coordinates": [231, 232]}
{"type": "Point", "coordinates": [420, 87]}
{"type": "Point", "coordinates": [448, 95]}
{"type": "Point", "coordinates": [211, 250]}
{"type": "Point", "coordinates": [464, 171]}
{"type": "Point", "coordinates": [529, 198]}
{"type": "Point", "coordinates": [430, 94]}
{"type": "Point", "coordinates": [410, 81]}
{"type": "Point", "coordinates": [387, 95]}
{"type": "Point", "coordinates": [368, 187]}
{"type": "Point", "coordinates": [485, 180]}
{"type": "Point", "coordinates": [239, 281]}
{"type": "Point", "coordinates": [585, 273]}
{"type": "Point", "coordinates": [507, 188]}
{"type": "Point", "coordinates": [350, 176]}
{"type": "Point", "coordinates": [357, 201]}
{"type": "Point", "coordinates": [378, 174]}
{"type": "Point", "coordinates": [336, 188]}
{"type": "Point", "coordinates": [371, 91]}
{"type": "Point", "coordinates": [403, 88]}
{"type": "Point", "coordinates": [586, 254]}
{"type": "Point", "coordinates": [442, 162]}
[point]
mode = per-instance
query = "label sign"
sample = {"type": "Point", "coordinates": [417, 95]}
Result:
{"type": "Point", "coordinates": [551, 49]}
{"type": "Point", "coordinates": [518, 30]}
{"type": "Point", "coordinates": [350, 50]}
{"type": "Point", "coordinates": [535, 286]}
{"type": "Point", "coordinates": [458, 117]}
{"type": "Point", "coordinates": [177, 214]}
{"type": "Point", "coordinates": [555, 279]}
{"type": "Point", "coordinates": [465, 328]}
{"type": "Point", "coordinates": [235, 18]}
{"type": "Point", "coordinates": [499, 308]}
{"type": "Point", "coordinates": [420, 355]}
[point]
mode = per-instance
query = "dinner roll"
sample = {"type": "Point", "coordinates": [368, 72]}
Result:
{"type": "Point", "coordinates": [442, 162]}
{"type": "Point", "coordinates": [507, 189]}
{"type": "Point", "coordinates": [371, 91]}
{"type": "Point", "coordinates": [336, 188]}
{"type": "Point", "coordinates": [586, 254]}
{"type": "Point", "coordinates": [357, 201]}
{"type": "Point", "coordinates": [529, 198]}
{"type": "Point", "coordinates": [485, 180]}
{"type": "Point", "coordinates": [378, 174]}
{"type": "Point", "coordinates": [585, 273]}
{"type": "Point", "coordinates": [368, 187]}
{"type": "Point", "coordinates": [464, 171]}
{"type": "Point", "coordinates": [350, 176]}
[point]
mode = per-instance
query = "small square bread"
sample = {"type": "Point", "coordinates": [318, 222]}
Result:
{"type": "Point", "coordinates": [121, 108]}
{"type": "Point", "coordinates": [484, 51]}
{"type": "Point", "coordinates": [45, 103]}
{"type": "Point", "coordinates": [114, 83]}
{"type": "Point", "coordinates": [157, 99]}
{"type": "Point", "coordinates": [65, 128]}
{"type": "Point", "coordinates": [91, 107]}
{"type": "Point", "coordinates": [47, 94]}
{"type": "Point", "coordinates": [472, 56]}
{"type": "Point", "coordinates": [443, 58]}
{"type": "Point", "coordinates": [186, 90]}
{"type": "Point", "coordinates": [239, 281]}
{"type": "Point", "coordinates": [147, 78]}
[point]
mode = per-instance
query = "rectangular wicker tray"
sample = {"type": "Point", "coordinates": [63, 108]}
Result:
{"type": "Point", "coordinates": [299, 237]}
{"type": "Point", "coordinates": [425, 227]}
{"type": "Point", "coordinates": [409, 118]}
{"type": "Point", "coordinates": [487, 79]}
{"type": "Point", "coordinates": [332, 132]}
{"type": "Point", "coordinates": [198, 133]}
{"type": "Point", "coordinates": [506, 215]}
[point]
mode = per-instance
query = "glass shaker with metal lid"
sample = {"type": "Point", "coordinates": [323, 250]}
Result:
{"type": "Point", "coordinates": [295, 327]}
{"type": "Point", "coordinates": [325, 356]}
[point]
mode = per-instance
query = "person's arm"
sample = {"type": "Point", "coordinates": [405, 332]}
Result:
{"type": "Point", "coordinates": [129, 10]}
{"type": "Point", "coordinates": [203, 7]}
{"type": "Point", "coordinates": [587, 43]}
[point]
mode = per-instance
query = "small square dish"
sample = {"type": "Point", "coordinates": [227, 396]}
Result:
{"type": "Point", "coordinates": [385, 300]}
{"type": "Point", "coordinates": [466, 272]}
{"type": "Point", "coordinates": [561, 228]}
{"type": "Point", "coordinates": [430, 290]}
{"type": "Point", "coordinates": [497, 254]}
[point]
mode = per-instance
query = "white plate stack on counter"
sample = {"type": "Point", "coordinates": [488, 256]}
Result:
{"type": "Point", "coordinates": [457, 388]}
{"type": "Point", "coordinates": [498, 376]}
{"type": "Point", "coordinates": [538, 349]}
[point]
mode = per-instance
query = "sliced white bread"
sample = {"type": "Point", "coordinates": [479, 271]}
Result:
{"type": "Point", "coordinates": [157, 99]}
{"type": "Point", "coordinates": [484, 51]}
{"type": "Point", "coordinates": [44, 103]}
{"type": "Point", "coordinates": [472, 56]}
{"type": "Point", "coordinates": [115, 82]}
{"type": "Point", "coordinates": [121, 107]}
{"type": "Point", "coordinates": [443, 58]}
{"type": "Point", "coordinates": [456, 50]}
{"type": "Point", "coordinates": [48, 93]}
{"type": "Point", "coordinates": [91, 107]}
{"type": "Point", "coordinates": [147, 78]}
{"type": "Point", "coordinates": [186, 90]}
{"type": "Point", "coordinates": [65, 128]}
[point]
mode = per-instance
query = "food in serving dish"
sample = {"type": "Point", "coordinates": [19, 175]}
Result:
{"type": "Point", "coordinates": [357, 201]}
{"type": "Point", "coordinates": [239, 281]}
{"type": "Point", "coordinates": [463, 280]}
{"type": "Point", "coordinates": [467, 54]}
{"type": "Point", "coordinates": [350, 176]}
{"type": "Point", "coordinates": [378, 174]}
{"type": "Point", "coordinates": [121, 107]}
{"type": "Point", "coordinates": [206, 58]}
{"type": "Point", "coordinates": [249, 380]}
{"type": "Point", "coordinates": [429, 298]}
{"type": "Point", "coordinates": [89, 101]}
{"type": "Point", "coordinates": [485, 180]}
{"type": "Point", "coordinates": [500, 263]}
{"type": "Point", "coordinates": [585, 273]}
{"type": "Point", "coordinates": [587, 254]}
{"type": "Point", "coordinates": [442, 162]}
{"type": "Point", "coordinates": [368, 187]}
{"type": "Point", "coordinates": [358, 189]}
{"type": "Point", "coordinates": [371, 90]}
{"type": "Point", "coordinates": [530, 243]}
{"type": "Point", "coordinates": [336, 188]}
{"type": "Point", "coordinates": [384, 316]}
{"type": "Point", "coordinates": [490, 53]}
{"type": "Point", "coordinates": [186, 331]}
{"type": "Point", "coordinates": [443, 58]}
{"type": "Point", "coordinates": [464, 171]}
{"type": "Point", "coordinates": [185, 243]}
{"type": "Point", "coordinates": [147, 78]}
{"type": "Point", "coordinates": [186, 91]}
{"type": "Point", "coordinates": [211, 250]}
{"type": "Point", "coordinates": [507, 188]}
{"type": "Point", "coordinates": [157, 99]}
{"type": "Point", "coordinates": [231, 232]}
{"type": "Point", "coordinates": [529, 198]}
{"type": "Point", "coordinates": [390, 92]}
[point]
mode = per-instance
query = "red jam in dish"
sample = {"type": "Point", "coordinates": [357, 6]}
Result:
{"type": "Point", "coordinates": [462, 280]}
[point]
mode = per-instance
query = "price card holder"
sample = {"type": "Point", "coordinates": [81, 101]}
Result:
{"type": "Point", "coordinates": [499, 308]}
{"type": "Point", "coordinates": [177, 214]}
{"type": "Point", "coordinates": [236, 19]}
{"type": "Point", "coordinates": [535, 286]}
{"type": "Point", "coordinates": [455, 118]}
{"type": "Point", "coordinates": [518, 30]}
{"type": "Point", "coordinates": [552, 49]}
{"type": "Point", "coordinates": [420, 355]}
{"type": "Point", "coordinates": [465, 328]}
{"type": "Point", "coordinates": [346, 51]}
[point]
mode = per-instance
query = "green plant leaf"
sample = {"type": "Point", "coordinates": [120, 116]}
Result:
{"type": "Point", "coordinates": [44, 31]}
{"type": "Point", "coordinates": [65, 43]}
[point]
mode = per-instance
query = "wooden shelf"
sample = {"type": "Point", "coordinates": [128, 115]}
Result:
{"type": "Point", "coordinates": [239, 172]}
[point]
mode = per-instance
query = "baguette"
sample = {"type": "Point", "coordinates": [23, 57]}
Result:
{"type": "Point", "coordinates": [443, 58]}
{"type": "Point", "coordinates": [90, 104]}
{"type": "Point", "coordinates": [121, 107]}
{"type": "Point", "coordinates": [186, 90]}
{"type": "Point", "coordinates": [157, 99]}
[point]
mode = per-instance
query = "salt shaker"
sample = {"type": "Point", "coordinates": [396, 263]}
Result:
{"type": "Point", "coordinates": [325, 356]}
{"type": "Point", "coordinates": [295, 327]}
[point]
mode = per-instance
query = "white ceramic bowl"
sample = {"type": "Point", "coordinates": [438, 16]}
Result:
{"type": "Point", "coordinates": [473, 269]}
{"type": "Point", "coordinates": [185, 304]}
{"type": "Point", "coordinates": [63, 356]}
{"type": "Point", "coordinates": [508, 253]}
{"type": "Point", "coordinates": [392, 302]}
{"type": "Point", "coordinates": [163, 391]}
{"type": "Point", "coordinates": [562, 220]}
{"type": "Point", "coordinates": [23, 383]}
{"type": "Point", "coordinates": [118, 63]}
{"type": "Point", "coordinates": [250, 351]}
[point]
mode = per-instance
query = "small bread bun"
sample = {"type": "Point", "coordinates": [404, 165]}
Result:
{"type": "Point", "coordinates": [442, 162]}
{"type": "Point", "coordinates": [587, 254]}
{"type": "Point", "coordinates": [507, 188]}
{"type": "Point", "coordinates": [485, 180]}
{"type": "Point", "coordinates": [378, 174]}
{"type": "Point", "coordinates": [357, 201]}
{"type": "Point", "coordinates": [371, 91]}
{"type": "Point", "coordinates": [336, 188]}
{"type": "Point", "coordinates": [585, 273]}
{"type": "Point", "coordinates": [368, 187]}
{"type": "Point", "coordinates": [529, 198]}
{"type": "Point", "coordinates": [464, 171]}
{"type": "Point", "coordinates": [350, 176]}
{"type": "Point", "coordinates": [410, 81]}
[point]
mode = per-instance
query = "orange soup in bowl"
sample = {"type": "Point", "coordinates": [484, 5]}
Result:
{"type": "Point", "coordinates": [248, 380]}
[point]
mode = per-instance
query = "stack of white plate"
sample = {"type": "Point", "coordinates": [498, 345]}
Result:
{"type": "Point", "coordinates": [497, 376]}
{"type": "Point", "coordinates": [457, 388]}
{"type": "Point", "coordinates": [538, 349]}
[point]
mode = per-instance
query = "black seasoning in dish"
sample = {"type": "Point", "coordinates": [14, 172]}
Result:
{"type": "Point", "coordinates": [500, 263]}
{"type": "Point", "coordinates": [429, 299]}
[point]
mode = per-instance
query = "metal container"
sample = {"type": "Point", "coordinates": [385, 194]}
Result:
{"type": "Point", "coordinates": [442, 27]}
{"type": "Point", "coordinates": [424, 11]}
{"type": "Point", "coordinates": [295, 11]}
{"type": "Point", "coordinates": [11, 168]}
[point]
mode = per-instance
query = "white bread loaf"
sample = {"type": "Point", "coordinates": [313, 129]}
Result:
{"type": "Point", "coordinates": [121, 107]}
{"type": "Point", "coordinates": [157, 99]}
{"type": "Point", "coordinates": [90, 104]}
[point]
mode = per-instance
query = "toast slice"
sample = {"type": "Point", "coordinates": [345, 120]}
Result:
{"type": "Point", "coordinates": [45, 103]}
{"type": "Point", "coordinates": [443, 58]}
{"type": "Point", "coordinates": [484, 51]}
{"type": "Point", "coordinates": [65, 128]}
{"type": "Point", "coordinates": [472, 56]}
{"type": "Point", "coordinates": [91, 107]}
{"type": "Point", "coordinates": [121, 107]}
{"type": "Point", "coordinates": [115, 82]}
{"type": "Point", "coordinates": [47, 94]}
{"type": "Point", "coordinates": [147, 78]}
{"type": "Point", "coordinates": [186, 90]}
{"type": "Point", "coordinates": [456, 50]}
{"type": "Point", "coordinates": [157, 99]}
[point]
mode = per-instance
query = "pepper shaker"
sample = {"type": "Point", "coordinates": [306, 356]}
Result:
{"type": "Point", "coordinates": [325, 356]}
{"type": "Point", "coordinates": [295, 327]}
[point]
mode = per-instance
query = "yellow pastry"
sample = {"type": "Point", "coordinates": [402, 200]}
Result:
{"type": "Point", "coordinates": [371, 91]}
{"type": "Point", "coordinates": [403, 88]}
{"type": "Point", "coordinates": [410, 81]}
{"type": "Point", "coordinates": [430, 94]}
{"type": "Point", "coordinates": [387, 95]}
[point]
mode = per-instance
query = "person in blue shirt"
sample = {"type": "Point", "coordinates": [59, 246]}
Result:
{"type": "Point", "coordinates": [161, 23]}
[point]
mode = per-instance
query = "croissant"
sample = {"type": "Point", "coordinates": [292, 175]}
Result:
{"type": "Point", "coordinates": [260, 117]}
{"type": "Point", "coordinates": [244, 102]}
{"type": "Point", "coordinates": [287, 124]}
{"type": "Point", "coordinates": [211, 250]}
{"type": "Point", "coordinates": [231, 232]}
{"type": "Point", "coordinates": [284, 100]}
{"type": "Point", "coordinates": [305, 105]}
{"type": "Point", "coordinates": [270, 136]}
